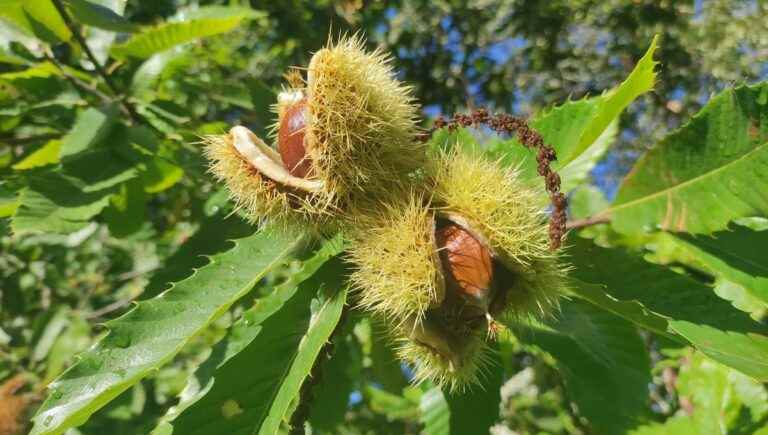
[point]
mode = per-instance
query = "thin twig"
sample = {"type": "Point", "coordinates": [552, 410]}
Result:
{"type": "Point", "coordinates": [76, 82]}
{"type": "Point", "coordinates": [99, 69]}
{"type": "Point", "coordinates": [588, 222]}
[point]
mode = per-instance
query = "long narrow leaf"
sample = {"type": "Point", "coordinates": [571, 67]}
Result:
{"type": "Point", "coordinates": [253, 389]}
{"type": "Point", "coordinates": [151, 334]}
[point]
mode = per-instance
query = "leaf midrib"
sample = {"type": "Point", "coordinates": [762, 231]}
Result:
{"type": "Point", "coordinates": [684, 183]}
{"type": "Point", "coordinates": [131, 380]}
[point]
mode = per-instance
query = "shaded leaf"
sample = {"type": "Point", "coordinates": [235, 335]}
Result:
{"type": "Point", "coordinates": [476, 410]}
{"type": "Point", "coordinates": [243, 332]}
{"type": "Point", "coordinates": [692, 308]}
{"type": "Point", "coordinates": [99, 16]}
{"type": "Point", "coordinates": [702, 176]}
{"type": "Point", "coordinates": [91, 127]}
{"type": "Point", "coordinates": [632, 311]}
{"type": "Point", "coordinates": [126, 212]}
{"type": "Point", "coordinates": [57, 201]}
{"type": "Point", "coordinates": [152, 333]}
{"type": "Point", "coordinates": [338, 376]}
{"type": "Point", "coordinates": [604, 362]}
{"type": "Point", "coordinates": [730, 257]}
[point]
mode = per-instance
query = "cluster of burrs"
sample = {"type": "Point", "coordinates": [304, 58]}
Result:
{"type": "Point", "coordinates": [446, 246]}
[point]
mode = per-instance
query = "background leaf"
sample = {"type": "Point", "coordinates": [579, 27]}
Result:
{"type": "Point", "coordinates": [586, 341]}
{"type": "Point", "coordinates": [205, 22]}
{"type": "Point", "coordinates": [96, 15]}
{"type": "Point", "coordinates": [580, 131]}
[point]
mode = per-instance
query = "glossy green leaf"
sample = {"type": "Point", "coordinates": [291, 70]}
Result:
{"type": "Point", "coordinates": [293, 323]}
{"type": "Point", "coordinates": [604, 362]}
{"type": "Point", "coordinates": [206, 22]}
{"type": "Point", "coordinates": [581, 131]}
{"type": "Point", "coordinates": [155, 330]}
{"type": "Point", "coordinates": [691, 308]}
{"type": "Point", "coordinates": [702, 176]}
{"type": "Point", "coordinates": [96, 15]}
{"type": "Point", "coordinates": [631, 310]}
{"type": "Point", "coordinates": [747, 352]}
{"type": "Point", "coordinates": [245, 330]}
{"type": "Point", "coordinates": [640, 81]}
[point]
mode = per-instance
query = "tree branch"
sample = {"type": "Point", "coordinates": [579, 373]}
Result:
{"type": "Point", "coordinates": [99, 69]}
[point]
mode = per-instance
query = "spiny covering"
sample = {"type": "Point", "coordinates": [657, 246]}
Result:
{"type": "Point", "coordinates": [452, 360]}
{"type": "Point", "coordinates": [506, 212]}
{"type": "Point", "coordinates": [257, 195]}
{"type": "Point", "coordinates": [359, 136]}
{"type": "Point", "coordinates": [363, 122]}
{"type": "Point", "coordinates": [397, 275]}
{"type": "Point", "coordinates": [400, 276]}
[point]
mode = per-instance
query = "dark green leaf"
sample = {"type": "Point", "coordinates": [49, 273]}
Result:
{"type": "Point", "coordinates": [604, 362]}
{"type": "Point", "coordinates": [99, 16]}
{"type": "Point", "coordinates": [476, 410]}
{"type": "Point", "coordinates": [730, 257]}
{"type": "Point", "coordinates": [692, 308]}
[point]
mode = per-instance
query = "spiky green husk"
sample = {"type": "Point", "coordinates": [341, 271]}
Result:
{"type": "Point", "coordinates": [258, 196]}
{"type": "Point", "coordinates": [506, 212]}
{"type": "Point", "coordinates": [393, 249]}
{"type": "Point", "coordinates": [455, 360]}
{"type": "Point", "coordinates": [361, 134]}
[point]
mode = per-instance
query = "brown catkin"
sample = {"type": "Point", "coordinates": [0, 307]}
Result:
{"type": "Point", "coordinates": [503, 123]}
